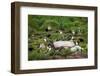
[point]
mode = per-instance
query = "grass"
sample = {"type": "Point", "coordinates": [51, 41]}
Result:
{"type": "Point", "coordinates": [49, 27]}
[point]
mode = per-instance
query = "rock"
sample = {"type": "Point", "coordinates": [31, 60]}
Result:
{"type": "Point", "coordinates": [76, 55]}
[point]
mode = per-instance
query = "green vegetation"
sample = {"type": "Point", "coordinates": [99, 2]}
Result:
{"type": "Point", "coordinates": [44, 30]}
